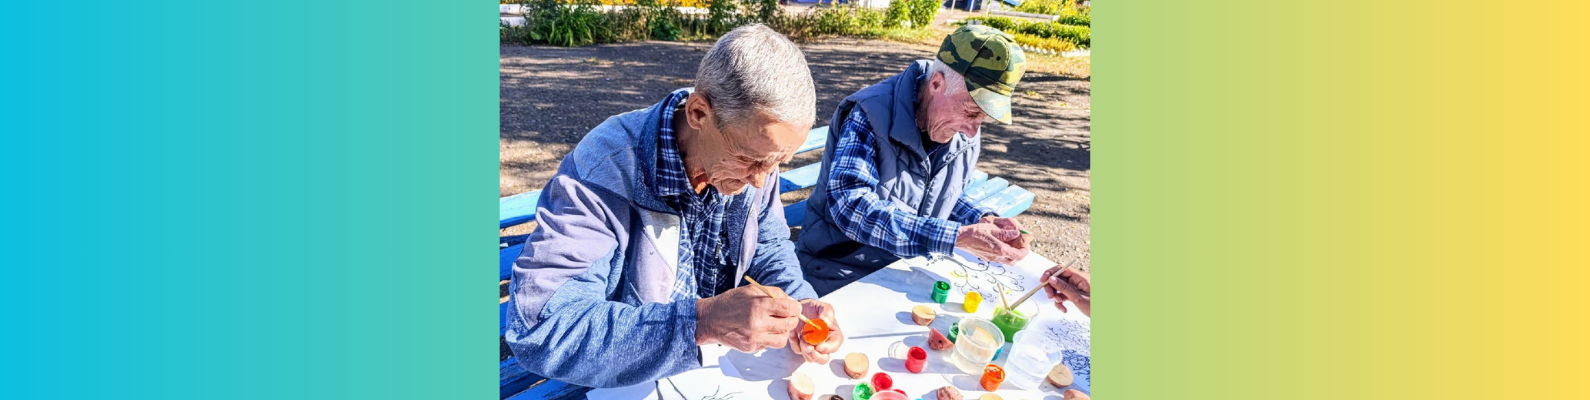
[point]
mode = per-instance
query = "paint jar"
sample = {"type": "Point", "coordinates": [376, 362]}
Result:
{"type": "Point", "coordinates": [862, 392]}
{"type": "Point", "coordinates": [889, 395]}
{"type": "Point", "coordinates": [973, 299]}
{"type": "Point", "coordinates": [992, 377]}
{"type": "Point", "coordinates": [955, 329]}
{"type": "Point", "coordinates": [881, 382]}
{"type": "Point", "coordinates": [1012, 321]}
{"type": "Point", "coordinates": [915, 360]}
{"type": "Point", "coordinates": [941, 292]}
{"type": "Point", "coordinates": [976, 345]}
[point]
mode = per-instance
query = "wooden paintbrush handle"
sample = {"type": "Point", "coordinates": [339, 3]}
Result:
{"type": "Point", "coordinates": [770, 294]}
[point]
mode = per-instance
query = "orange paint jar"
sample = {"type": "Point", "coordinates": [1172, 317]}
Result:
{"type": "Point", "coordinates": [993, 375]}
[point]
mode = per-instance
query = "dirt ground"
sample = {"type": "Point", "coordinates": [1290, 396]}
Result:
{"type": "Point", "coordinates": [551, 96]}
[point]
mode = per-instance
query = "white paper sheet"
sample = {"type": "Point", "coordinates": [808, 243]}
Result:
{"type": "Point", "coordinates": [874, 314]}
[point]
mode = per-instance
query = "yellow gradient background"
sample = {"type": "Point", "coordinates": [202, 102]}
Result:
{"type": "Point", "coordinates": [1312, 200]}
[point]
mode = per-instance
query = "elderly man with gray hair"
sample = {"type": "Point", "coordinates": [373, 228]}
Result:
{"type": "Point", "coordinates": [898, 158]}
{"type": "Point", "coordinates": [652, 222]}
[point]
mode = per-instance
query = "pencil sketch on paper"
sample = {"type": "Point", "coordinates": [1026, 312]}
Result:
{"type": "Point", "coordinates": [716, 392]}
{"type": "Point", "coordinates": [982, 276]}
{"type": "Point", "coordinates": [1069, 335]}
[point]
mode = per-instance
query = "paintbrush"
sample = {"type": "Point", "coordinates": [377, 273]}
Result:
{"type": "Point", "coordinates": [759, 286]}
{"type": "Point", "coordinates": [1035, 289]}
{"type": "Point", "coordinates": [1000, 287]}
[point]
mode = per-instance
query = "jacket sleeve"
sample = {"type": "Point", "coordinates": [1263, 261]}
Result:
{"type": "Point", "coordinates": [565, 326]}
{"type": "Point", "coordinates": [968, 212]}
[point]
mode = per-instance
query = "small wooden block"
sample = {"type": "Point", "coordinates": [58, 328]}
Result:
{"type": "Point", "coordinates": [937, 341]}
{"type": "Point", "coordinates": [833, 397]}
{"type": "Point", "coordinates": [949, 393]}
{"type": "Point", "coordinates": [991, 396]}
{"type": "Point", "coordinates": [1073, 394]}
{"type": "Point", "coordinates": [923, 315]}
{"type": "Point", "coordinates": [856, 365]}
{"type": "Point", "coordinates": [1060, 376]}
{"type": "Point", "coordinates": [800, 387]}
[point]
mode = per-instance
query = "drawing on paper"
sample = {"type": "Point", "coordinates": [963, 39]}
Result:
{"type": "Point", "coordinates": [716, 396]}
{"type": "Point", "coordinates": [1069, 335]}
{"type": "Point", "coordinates": [984, 277]}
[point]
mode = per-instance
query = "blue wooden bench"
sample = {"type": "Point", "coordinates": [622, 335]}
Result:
{"type": "Point", "coordinates": [996, 193]}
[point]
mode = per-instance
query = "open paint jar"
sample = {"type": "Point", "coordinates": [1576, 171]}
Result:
{"type": "Point", "coordinates": [861, 392]}
{"type": "Point", "coordinates": [1012, 321]}
{"type": "Point", "coordinates": [915, 360]}
{"type": "Point", "coordinates": [975, 345]}
{"type": "Point", "coordinates": [889, 395]}
{"type": "Point", "coordinates": [992, 377]}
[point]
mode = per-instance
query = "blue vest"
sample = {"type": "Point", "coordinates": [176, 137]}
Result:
{"type": "Point", "coordinates": [906, 177]}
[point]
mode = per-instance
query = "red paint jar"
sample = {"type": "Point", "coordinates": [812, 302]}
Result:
{"type": "Point", "coordinates": [915, 359]}
{"type": "Point", "coordinates": [882, 382]}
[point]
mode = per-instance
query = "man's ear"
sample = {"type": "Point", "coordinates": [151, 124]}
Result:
{"type": "Point", "coordinates": [697, 111]}
{"type": "Point", "coordinates": [936, 82]}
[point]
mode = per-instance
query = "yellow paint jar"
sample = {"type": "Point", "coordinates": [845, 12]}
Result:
{"type": "Point", "coordinates": [973, 299]}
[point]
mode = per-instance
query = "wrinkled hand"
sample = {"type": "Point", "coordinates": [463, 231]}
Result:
{"type": "Point", "coordinates": [990, 242]}
{"type": "Point", "coordinates": [1065, 284]}
{"type": "Point", "coordinates": [746, 319]}
{"type": "Point", "coordinates": [1009, 224]}
{"type": "Point", "coordinates": [815, 309]}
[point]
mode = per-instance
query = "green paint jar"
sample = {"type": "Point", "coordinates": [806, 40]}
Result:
{"type": "Point", "coordinates": [862, 392]}
{"type": "Point", "coordinates": [941, 292]}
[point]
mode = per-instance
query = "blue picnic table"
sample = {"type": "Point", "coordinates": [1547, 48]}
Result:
{"type": "Point", "coordinates": [996, 193]}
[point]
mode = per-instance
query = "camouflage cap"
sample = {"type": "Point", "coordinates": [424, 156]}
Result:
{"type": "Point", "coordinates": [991, 64]}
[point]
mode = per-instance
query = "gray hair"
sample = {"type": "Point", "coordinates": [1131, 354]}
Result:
{"type": "Point", "coordinates": [953, 81]}
{"type": "Point", "coordinates": [755, 68]}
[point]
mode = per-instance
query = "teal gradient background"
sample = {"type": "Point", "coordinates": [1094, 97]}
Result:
{"type": "Point", "coordinates": [271, 200]}
{"type": "Point", "coordinates": [1293, 200]}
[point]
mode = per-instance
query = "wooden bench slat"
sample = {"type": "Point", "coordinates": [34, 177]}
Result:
{"type": "Point", "coordinates": [815, 139]}
{"type": "Point", "coordinates": [989, 187]}
{"type": "Point", "coordinates": [517, 209]}
{"type": "Point", "coordinates": [1010, 202]}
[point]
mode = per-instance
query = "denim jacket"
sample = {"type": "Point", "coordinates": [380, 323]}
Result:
{"type": "Point", "coordinates": [592, 293]}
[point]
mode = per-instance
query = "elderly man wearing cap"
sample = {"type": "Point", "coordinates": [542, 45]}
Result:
{"type": "Point", "coordinates": [653, 222]}
{"type": "Point", "coordinates": [898, 158]}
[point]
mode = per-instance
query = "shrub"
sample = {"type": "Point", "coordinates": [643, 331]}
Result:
{"type": "Point", "coordinates": [923, 11]}
{"type": "Point", "coordinates": [576, 24]}
{"type": "Point", "coordinates": [580, 22]}
{"type": "Point", "coordinates": [1075, 19]}
{"type": "Point", "coordinates": [1055, 45]}
{"type": "Point", "coordinates": [898, 12]}
{"type": "Point", "coordinates": [1050, 7]}
{"type": "Point", "coordinates": [1080, 36]}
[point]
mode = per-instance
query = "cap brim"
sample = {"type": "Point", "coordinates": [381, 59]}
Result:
{"type": "Point", "coordinates": [993, 104]}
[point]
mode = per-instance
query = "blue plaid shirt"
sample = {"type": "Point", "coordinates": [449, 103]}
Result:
{"type": "Point", "coordinates": [705, 252]}
{"type": "Point", "coordinates": [871, 220]}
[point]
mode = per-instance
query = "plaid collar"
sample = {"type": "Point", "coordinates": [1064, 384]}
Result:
{"type": "Point", "coordinates": [672, 181]}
